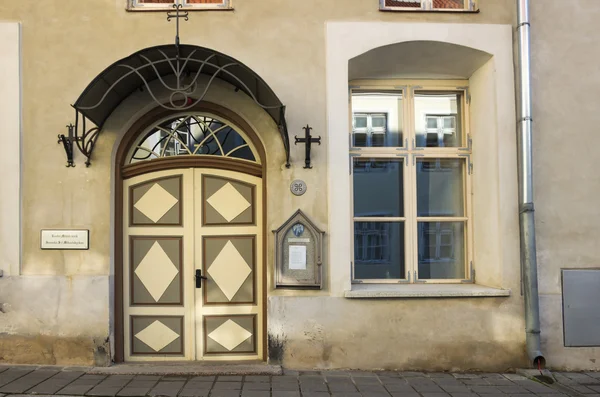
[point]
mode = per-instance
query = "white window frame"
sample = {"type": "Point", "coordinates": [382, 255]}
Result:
{"type": "Point", "coordinates": [410, 156]}
{"type": "Point", "coordinates": [427, 5]}
{"type": "Point", "coordinates": [136, 5]}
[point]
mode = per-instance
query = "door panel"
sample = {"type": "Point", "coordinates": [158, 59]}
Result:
{"type": "Point", "coordinates": [229, 306]}
{"type": "Point", "coordinates": [177, 222]}
{"type": "Point", "coordinates": [158, 255]}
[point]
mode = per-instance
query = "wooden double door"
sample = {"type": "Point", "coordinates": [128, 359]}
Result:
{"type": "Point", "coordinates": [193, 266]}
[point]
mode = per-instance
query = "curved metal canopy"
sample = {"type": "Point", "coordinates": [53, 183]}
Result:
{"type": "Point", "coordinates": [177, 67]}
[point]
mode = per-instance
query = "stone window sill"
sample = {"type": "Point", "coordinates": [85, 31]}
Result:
{"type": "Point", "coordinates": [373, 291]}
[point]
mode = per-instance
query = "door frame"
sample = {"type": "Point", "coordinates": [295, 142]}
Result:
{"type": "Point", "coordinates": [123, 171]}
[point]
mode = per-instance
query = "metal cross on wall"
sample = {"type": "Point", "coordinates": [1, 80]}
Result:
{"type": "Point", "coordinates": [177, 15]}
{"type": "Point", "coordinates": [307, 140]}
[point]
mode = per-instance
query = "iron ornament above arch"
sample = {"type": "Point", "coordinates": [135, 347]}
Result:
{"type": "Point", "coordinates": [177, 68]}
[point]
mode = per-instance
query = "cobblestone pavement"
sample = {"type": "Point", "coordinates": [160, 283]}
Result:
{"type": "Point", "coordinates": [19, 381]}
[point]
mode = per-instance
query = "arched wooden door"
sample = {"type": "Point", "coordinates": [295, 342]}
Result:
{"type": "Point", "coordinates": [192, 250]}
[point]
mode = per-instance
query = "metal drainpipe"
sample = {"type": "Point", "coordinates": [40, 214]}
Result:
{"type": "Point", "coordinates": [526, 208]}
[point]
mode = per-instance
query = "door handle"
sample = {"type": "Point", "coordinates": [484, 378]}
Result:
{"type": "Point", "coordinates": [199, 277]}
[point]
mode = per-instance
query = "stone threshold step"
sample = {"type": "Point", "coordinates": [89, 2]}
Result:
{"type": "Point", "coordinates": [197, 368]}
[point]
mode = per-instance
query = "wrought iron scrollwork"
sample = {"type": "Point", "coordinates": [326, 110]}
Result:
{"type": "Point", "coordinates": [84, 141]}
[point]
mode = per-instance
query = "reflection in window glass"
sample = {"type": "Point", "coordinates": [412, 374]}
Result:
{"type": "Point", "coordinates": [440, 187]}
{"type": "Point", "coordinates": [192, 135]}
{"type": "Point", "coordinates": [437, 119]}
{"type": "Point", "coordinates": [378, 193]}
{"type": "Point", "coordinates": [379, 250]}
{"type": "Point", "coordinates": [377, 119]}
{"type": "Point", "coordinates": [441, 250]}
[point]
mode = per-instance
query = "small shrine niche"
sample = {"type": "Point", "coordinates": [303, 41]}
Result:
{"type": "Point", "coordinates": [298, 253]}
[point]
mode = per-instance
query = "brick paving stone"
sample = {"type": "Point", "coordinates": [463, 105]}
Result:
{"type": "Point", "coordinates": [514, 377]}
{"type": "Point", "coordinates": [312, 394]}
{"type": "Point", "coordinates": [435, 394]}
{"type": "Point", "coordinates": [229, 378]}
{"type": "Point", "coordinates": [194, 392]}
{"type": "Point", "coordinates": [498, 382]}
{"type": "Point", "coordinates": [346, 394]}
{"type": "Point", "coordinates": [146, 377]}
{"type": "Point", "coordinates": [290, 372]}
{"type": "Point", "coordinates": [193, 384]}
{"type": "Point", "coordinates": [393, 381]}
{"type": "Point", "coordinates": [287, 386]}
{"type": "Point", "coordinates": [362, 374]}
{"type": "Point", "coordinates": [227, 386]}
{"type": "Point", "coordinates": [399, 388]}
{"type": "Point", "coordinates": [336, 374]}
{"type": "Point", "coordinates": [592, 374]}
{"type": "Point", "coordinates": [455, 388]}
{"type": "Point", "coordinates": [408, 374]}
{"type": "Point", "coordinates": [440, 375]}
{"type": "Point", "coordinates": [311, 373]}
{"type": "Point", "coordinates": [255, 393]}
{"type": "Point", "coordinates": [82, 385]}
{"type": "Point", "coordinates": [284, 378]}
{"type": "Point", "coordinates": [167, 388]}
{"type": "Point", "coordinates": [55, 383]}
{"type": "Point", "coordinates": [465, 376]}
{"type": "Point", "coordinates": [312, 387]}
{"type": "Point", "coordinates": [366, 381]}
{"type": "Point", "coordinates": [595, 388]}
{"type": "Point", "coordinates": [485, 390]}
{"type": "Point", "coordinates": [26, 382]}
{"type": "Point", "coordinates": [522, 395]}
{"type": "Point", "coordinates": [4, 368]}
{"type": "Point", "coordinates": [368, 389]}
{"type": "Point", "coordinates": [13, 374]}
{"type": "Point", "coordinates": [338, 387]}
{"type": "Point", "coordinates": [133, 391]}
{"type": "Point", "coordinates": [428, 388]}
{"type": "Point", "coordinates": [203, 379]}
{"type": "Point", "coordinates": [225, 393]}
{"type": "Point", "coordinates": [388, 374]}
{"type": "Point", "coordinates": [463, 394]}
{"type": "Point", "coordinates": [287, 394]}
{"type": "Point", "coordinates": [578, 388]}
{"type": "Point", "coordinates": [256, 386]}
{"type": "Point", "coordinates": [174, 378]}
{"type": "Point", "coordinates": [475, 382]}
{"type": "Point", "coordinates": [104, 391]}
{"type": "Point", "coordinates": [404, 394]}
{"type": "Point", "coordinates": [514, 389]}
{"type": "Point", "coordinates": [251, 378]}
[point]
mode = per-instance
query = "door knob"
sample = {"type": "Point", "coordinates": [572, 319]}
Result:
{"type": "Point", "coordinates": [199, 277]}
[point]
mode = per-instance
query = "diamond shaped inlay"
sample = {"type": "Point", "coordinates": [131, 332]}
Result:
{"type": "Point", "coordinates": [229, 335]}
{"type": "Point", "coordinates": [228, 202]}
{"type": "Point", "coordinates": [155, 203]}
{"type": "Point", "coordinates": [156, 271]}
{"type": "Point", "coordinates": [229, 270]}
{"type": "Point", "coordinates": [157, 336]}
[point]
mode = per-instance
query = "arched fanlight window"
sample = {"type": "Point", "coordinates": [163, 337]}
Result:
{"type": "Point", "coordinates": [192, 134]}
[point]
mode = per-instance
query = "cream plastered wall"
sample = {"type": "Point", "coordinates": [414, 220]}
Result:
{"type": "Point", "coordinates": [566, 88]}
{"type": "Point", "coordinates": [65, 44]}
{"type": "Point", "coordinates": [430, 333]}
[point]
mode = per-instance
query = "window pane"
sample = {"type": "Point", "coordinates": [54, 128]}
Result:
{"type": "Point", "coordinates": [380, 115]}
{"type": "Point", "coordinates": [441, 250]}
{"type": "Point", "coordinates": [378, 187]}
{"type": "Point", "coordinates": [437, 119]}
{"type": "Point", "coordinates": [378, 250]}
{"type": "Point", "coordinates": [440, 187]}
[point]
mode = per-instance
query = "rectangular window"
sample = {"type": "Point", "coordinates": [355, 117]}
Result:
{"type": "Point", "coordinates": [147, 5]}
{"type": "Point", "coordinates": [428, 5]}
{"type": "Point", "coordinates": [411, 186]}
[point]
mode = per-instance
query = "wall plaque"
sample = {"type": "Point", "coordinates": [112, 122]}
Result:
{"type": "Point", "coordinates": [298, 187]}
{"type": "Point", "coordinates": [65, 239]}
{"type": "Point", "coordinates": [298, 253]}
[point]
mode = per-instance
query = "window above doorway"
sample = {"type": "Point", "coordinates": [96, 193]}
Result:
{"type": "Point", "coordinates": [429, 5]}
{"type": "Point", "coordinates": [188, 5]}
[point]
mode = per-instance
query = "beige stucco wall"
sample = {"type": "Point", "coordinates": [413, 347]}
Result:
{"type": "Point", "coordinates": [566, 88]}
{"type": "Point", "coordinates": [66, 43]}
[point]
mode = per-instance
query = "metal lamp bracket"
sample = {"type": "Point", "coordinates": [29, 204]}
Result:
{"type": "Point", "coordinates": [84, 141]}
